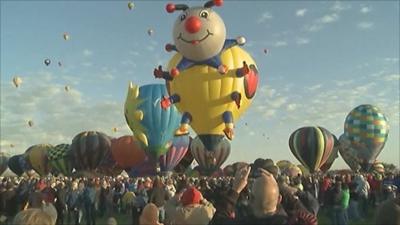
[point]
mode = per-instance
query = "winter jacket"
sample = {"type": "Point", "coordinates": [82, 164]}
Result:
{"type": "Point", "coordinates": [194, 214]}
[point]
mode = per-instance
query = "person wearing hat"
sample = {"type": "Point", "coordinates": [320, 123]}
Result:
{"type": "Point", "coordinates": [149, 215]}
{"type": "Point", "coordinates": [194, 209]}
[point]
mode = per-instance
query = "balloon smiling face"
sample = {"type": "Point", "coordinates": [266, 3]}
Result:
{"type": "Point", "coordinates": [199, 33]}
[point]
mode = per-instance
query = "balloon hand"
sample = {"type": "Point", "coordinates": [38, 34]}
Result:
{"type": "Point", "coordinates": [165, 102]}
{"type": "Point", "coordinates": [158, 72]}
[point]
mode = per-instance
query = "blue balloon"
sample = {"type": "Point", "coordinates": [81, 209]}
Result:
{"type": "Point", "coordinates": [153, 126]}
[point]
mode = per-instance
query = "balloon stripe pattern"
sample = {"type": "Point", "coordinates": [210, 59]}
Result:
{"type": "Point", "coordinates": [210, 161]}
{"type": "Point", "coordinates": [60, 159]}
{"type": "Point", "coordinates": [89, 148]}
{"type": "Point", "coordinates": [311, 146]}
{"type": "Point", "coordinates": [175, 154]}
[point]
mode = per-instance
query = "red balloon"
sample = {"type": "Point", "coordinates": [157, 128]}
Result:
{"type": "Point", "coordinates": [127, 152]}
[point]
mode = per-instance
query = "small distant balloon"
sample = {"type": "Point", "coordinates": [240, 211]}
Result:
{"type": "Point", "coordinates": [67, 88]}
{"type": "Point", "coordinates": [30, 123]}
{"type": "Point", "coordinates": [12, 145]}
{"type": "Point", "coordinates": [245, 124]}
{"type": "Point", "coordinates": [131, 5]}
{"type": "Point", "coordinates": [17, 81]}
{"type": "Point", "coordinates": [266, 51]}
{"type": "Point", "coordinates": [59, 64]}
{"type": "Point", "coordinates": [115, 129]}
{"type": "Point", "coordinates": [150, 32]}
{"type": "Point", "coordinates": [66, 36]}
{"type": "Point", "coordinates": [47, 62]}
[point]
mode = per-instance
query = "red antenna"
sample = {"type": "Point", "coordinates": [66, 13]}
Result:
{"type": "Point", "coordinates": [212, 3]}
{"type": "Point", "coordinates": [171, 7]}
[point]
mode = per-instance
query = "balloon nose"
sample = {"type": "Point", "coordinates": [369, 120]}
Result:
{"type": "Point", "coordinates": [193, 24]}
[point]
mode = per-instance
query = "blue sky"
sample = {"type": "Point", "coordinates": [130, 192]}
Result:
{"type": "Point", "coordinates": [324, 59]}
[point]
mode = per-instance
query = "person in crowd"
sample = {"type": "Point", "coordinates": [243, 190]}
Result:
{"type": "Point", "coordinates": [60, 203]}
{"type": "Point", "coordinates": [112, 221]}
{"type": "Point", "coordinates": [33, 216]}
{"type": "Point", "coordinates": [362, 190]}
{"type": "Point", "coordinates": [388, 212]}
{"type": "Point", "coordinates": [73, 204]}
{"type": "Point", "coordinates": [159, 196]}
{"type": "Point", "coordinates": [170, 188]}
{"type": "Point", "coordinates": [264, 203]}
{"type": "Point", "coordinates": [150, 215]}
{"type": "Point", "coordinates": [89, 197]}
{"type": "Point", "coordinates": [194, 209]}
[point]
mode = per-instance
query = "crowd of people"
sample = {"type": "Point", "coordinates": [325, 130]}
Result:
{"type": "Point", "coordinates": [265, 197]}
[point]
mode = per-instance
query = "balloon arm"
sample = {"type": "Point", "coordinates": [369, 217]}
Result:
{"type": "Point", "coordinates": [170, 48]}
{"type": "Point", "coordinates": [229, 43]}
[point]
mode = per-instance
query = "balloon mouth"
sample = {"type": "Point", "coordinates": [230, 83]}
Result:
{"type": "Point", "coordinates": [211, 141]}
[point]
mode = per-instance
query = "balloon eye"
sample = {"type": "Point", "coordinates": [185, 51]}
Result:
{"type": "Point", "coordinates": [183, 17]}
{"type": "Point", "coordinates": [204, 14]}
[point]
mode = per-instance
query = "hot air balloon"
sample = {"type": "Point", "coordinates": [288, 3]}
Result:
{"type": "Point", "coordinates": [131, 5]}
{"type": "Point", "coordinates": [311, 146]}
{"type": "Point", "coordinates": [47, 62]}
{"type": "Point", "coordinates": [186, 161]}
{"type": "Point", "coordinates": [67, 88]}
{"type": "Point", "coordinates": [17, 81]}
{"type": "Point", "coordinates": [108, 166]}
{"type": "Point", "coordinates": [3, 162]}
{"type": "Point", "coordinates": [209, 161]}
{"type": "Point", "coordinates": [127, 151]}
{"type": "Point", "coordinates": [66, 36]}
{"type": "Point", "coordinates": [36, 155]}
{"type": "Point", "coordinates": [59, 64]}
{"type": "Point", "coordinates": [175, 154]}
{"type": "Point", "coordinates": [304, 170]}
{"type": "Point", "coordinates": [12, 145]}
{"type": "Point", "coordinates": [88, 149]}
{"type": "Point", "coordinates": [150, 32]}
{"type": "Point", "coordinates": [367, 129]}
{"type": "Point", "coordinates": [148, 167]}
{"type": "Point", "coordinates": [349, 154]}
{"type": "Point", "coordinates": [293, 171]}
{"type": "Point", "coordinates": [14, 164]}
{"type": "Point", "coordinates": [266, 51]}
{"type": "Point", "coordinates": [30, 123]}
{"type": "Point", "coordinates": [332, 157]}
{"type": "Point", "coordinates": [283, 164]}
{"type": "Point", "coordinates": [151, 125]}
{"type": "Point", "coordinates": [211, 82]}
{"type": "Point", "coordinates": [60, 159]}
{"type": "Point", "coordinates": [205, 95]}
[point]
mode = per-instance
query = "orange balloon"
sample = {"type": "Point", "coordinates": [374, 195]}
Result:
{"type": "Point", "coordinates": [127, 152]}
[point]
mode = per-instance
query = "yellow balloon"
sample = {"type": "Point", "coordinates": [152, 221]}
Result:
{"type": "Point", "coordinates": [205, 93]}
{"type": "Point", "coordinates": [37, 157]}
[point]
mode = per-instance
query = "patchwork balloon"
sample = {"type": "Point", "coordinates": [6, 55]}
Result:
{"type": "Point", "coordinates": [175, 154]}
{"type": "Point", "coordinates": [311, 146]}
{"type": "Point", "coordinates": [349, 154]}
{"type": "Point", "coordinates": [60, 159]}
{"type": "Point", "coordinates": [88, 149]}
{"type": "Point", "coordinates": [367, 129]}
{"type": "Point", "coordinates": [209, 161]}
{"type": "Point", "coordinates": [152, 126]}
{"type": "Point", "coordinates": [186, 161]}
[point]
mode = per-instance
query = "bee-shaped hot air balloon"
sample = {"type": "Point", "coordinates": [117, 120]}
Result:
{"type": "Point", "coordinates": [211, 79]}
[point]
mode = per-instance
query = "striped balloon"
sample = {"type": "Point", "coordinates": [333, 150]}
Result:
{"type": "Point", "coordinates": [3, 162]}
{"type": "Point", "coordinates": [175, 154]}
{"type": "Point", "coordinates": [332, 157]}
{"type": "Point", "coordinates": [36, 155]}
{"type": "Point", "coordinates": [209, 161]}
{"type": "Point", "coordinates": [367, 129]}
{"type": "Point", "coordinates": [88, 149]}
{"type": "Point", "coordinates": [185, 163]}
{"type": "Point", "coordinates": [60, 159]}
{"type": "Point", "coordinates": [108, 166]}
{"type": "Point", "coordinates": [311, 146]}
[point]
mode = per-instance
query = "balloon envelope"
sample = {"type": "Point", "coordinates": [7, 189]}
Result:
{"type": "Point", "coordinates": [207, 160]}
{"type": "Point", "coordinates": [175, 154]}
{"type": "Point", "coordinates": [311, 146]}
{"type": "Point", "coordinates": [127, 151]}
{"type": "Point", "coordinates": [14, 164]}
{"type": "Point", "coordinates": [3, 162]}
{"type": "Point", "coordinates": [38, 159]}
{"type": "Point", "coordinates": [205, 93]}
{"type": "Point", "coordinates": [153, 126]}
{"type": "Point", "coordinates": [47, 62]}
{"type": "Point", "coordinates": [60, 159]}
{"type": "Point", "coordinates": [17, 81]}
{"type": "Point", "coordinates": [88, 149]}
{"type": "Point", "coordinates": [367, 129]}
{"type": "Point", "coordinates": [349, 154]}
{"type": "Point", "coordinates": [332, 157]}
